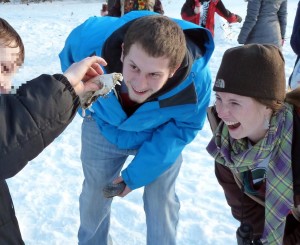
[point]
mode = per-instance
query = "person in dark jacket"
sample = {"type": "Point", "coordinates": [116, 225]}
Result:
{"type": "Point", "coordinates": [33, 117]}
{"type": "Point", "coordinates": [295, 38]}
{"type": "Point", "coordinates": [158, 110]}
{"type": "Point", "coordinates": [122, 7]}
{"type": "Point", "coordinates": [190, 11]}
{"type": "Point", "coordinates": [265, 22]}
{"type": "Point", "coordinates": [256, 143]}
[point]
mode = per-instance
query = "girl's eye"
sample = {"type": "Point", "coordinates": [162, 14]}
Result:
{"type": "Point", "coordinates": [218, 99]}
{"type": "Point", "coordinates": [235, 104]}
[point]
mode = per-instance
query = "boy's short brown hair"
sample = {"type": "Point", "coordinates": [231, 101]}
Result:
{"type": "Point", "coordinates": [10, 38]}
{"type": "Point", "coordinates": [159, 36]}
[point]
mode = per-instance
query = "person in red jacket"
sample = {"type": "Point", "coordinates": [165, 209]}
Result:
{"type": "Point", "coordinates": [190, 11]}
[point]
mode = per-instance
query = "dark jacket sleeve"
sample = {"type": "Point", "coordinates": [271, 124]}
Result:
{"type": "Point", "coordinates": [295, 38]}
{"type": "Point", "coordinates": [222, 11]}
{"type": "Point", "coordinates": [32, 118]}
{"type": "Point", "coordinates": [243, 208]}
{"type": "Point", "coordinates": [115, 10]}
{"type": "Point", "coordinates": [296, 156]}
{"type": "Point", "coordinates": [282, 17]}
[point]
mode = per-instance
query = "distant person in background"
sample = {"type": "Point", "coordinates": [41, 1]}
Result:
{"type": "Point", "coordinates": [122, 7]}
{"type": "Point", "coordinates": [295, 38]}
{"type": "Point", "coordinates": [210, 7]}
{"type": "Point", "coordinates": [265, 22]}
{"type": "Point", "coordinates": [33, 117]}
{"type": "Point", "coordinates": [190, 11]}
{"type": "Point", "coordinates": [106, 6]}
{"type": "Point", "coordinates": [104, 10]}
{"type": "Point", "coordinates": [110, 3]}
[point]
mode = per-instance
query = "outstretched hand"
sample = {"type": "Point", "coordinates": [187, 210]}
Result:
{"type": "Point", "coordinates": [83, 71]}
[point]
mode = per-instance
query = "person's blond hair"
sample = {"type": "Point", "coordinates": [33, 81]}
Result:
{"type": "Point", "coordinates": [10, 38]}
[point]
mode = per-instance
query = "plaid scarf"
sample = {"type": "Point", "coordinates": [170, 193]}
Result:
{"type": "Point", "coordinates": [240, 156]}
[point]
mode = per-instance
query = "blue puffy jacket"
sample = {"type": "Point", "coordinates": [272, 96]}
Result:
{"type": "Point", "coordinates": [160, 128]}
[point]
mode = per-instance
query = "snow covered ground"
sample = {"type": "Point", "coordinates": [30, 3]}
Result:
{"type": "Point", "coordinates": [46, 192]}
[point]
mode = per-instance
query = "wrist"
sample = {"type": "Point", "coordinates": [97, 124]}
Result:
{"type": "Point", "coordinates": [63, 79]}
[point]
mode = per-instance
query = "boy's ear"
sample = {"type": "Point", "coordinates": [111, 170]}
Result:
{"type": "Point", "coordinates": [122, 55]}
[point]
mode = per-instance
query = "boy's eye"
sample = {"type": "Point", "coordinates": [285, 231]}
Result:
{"type": "Point", "coordinates": [154, 75]}
{"type": "Point", "coordinates": [5, 69]}
{"type": "Point", "coordinates": [133, 67]}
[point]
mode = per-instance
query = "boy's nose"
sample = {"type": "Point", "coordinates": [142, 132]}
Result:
{"type": "Point", "coordinates": [141, 81]}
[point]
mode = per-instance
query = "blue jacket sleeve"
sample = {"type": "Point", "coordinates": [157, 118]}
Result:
{"type": "Point", "coordinates": [66, 55]}
{"type": "Point", "coordinates": [158, 153]}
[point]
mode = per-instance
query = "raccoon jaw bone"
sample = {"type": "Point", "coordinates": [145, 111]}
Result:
{"type": "Point", "coordinates": [106, 82]}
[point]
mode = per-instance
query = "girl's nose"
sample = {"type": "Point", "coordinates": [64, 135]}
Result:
{"type": "Point", "coordinates": [222, 110]}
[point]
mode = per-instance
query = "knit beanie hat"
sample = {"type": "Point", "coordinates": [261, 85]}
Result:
{"type": "Point", "coordinates": [252, 70]}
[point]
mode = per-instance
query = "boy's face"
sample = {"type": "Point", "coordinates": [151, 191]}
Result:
{"type": "Point", "coordinates": [144, 75]}
{"type": "Point", "coordinates": [8, 66]}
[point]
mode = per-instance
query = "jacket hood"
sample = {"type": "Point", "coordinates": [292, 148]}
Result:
{"type": "Point", "coordinates": [197, 40]}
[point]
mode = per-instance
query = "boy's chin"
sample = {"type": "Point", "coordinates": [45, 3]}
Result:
{"type": "Point", "coordinates": [4, 91]}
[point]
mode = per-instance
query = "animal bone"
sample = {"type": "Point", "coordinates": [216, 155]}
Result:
{"type": "Point", "coordinates": [106, 82]}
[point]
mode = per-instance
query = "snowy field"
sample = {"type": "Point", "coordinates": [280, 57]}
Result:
{"type": "Point", "coordinates": [46, 192]}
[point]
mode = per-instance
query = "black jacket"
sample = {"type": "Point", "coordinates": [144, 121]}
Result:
{"type": "Point", "coordinates": [30, 120]}
{"type": "Point", "coordinates": [295, 37]}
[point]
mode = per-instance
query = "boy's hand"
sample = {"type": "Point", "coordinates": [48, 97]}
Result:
{"type": "Point", "coordinates": [117, 188]}
{"type": "Point", "coordinates": [126, 190]}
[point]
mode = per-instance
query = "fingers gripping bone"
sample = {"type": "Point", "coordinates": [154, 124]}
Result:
{"type": "Point", "coordinates": [106, 82]}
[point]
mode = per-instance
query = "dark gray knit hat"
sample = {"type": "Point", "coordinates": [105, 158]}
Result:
{"type": "Point", "coordinates": [252, 70]}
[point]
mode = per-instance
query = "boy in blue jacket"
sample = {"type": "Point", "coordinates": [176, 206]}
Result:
{"type": "Point", "coordinates": [154, 114]}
